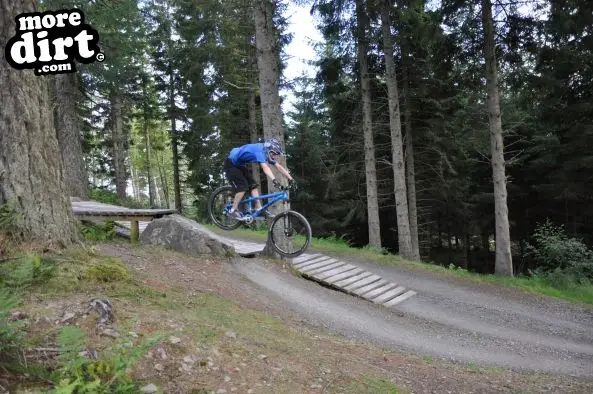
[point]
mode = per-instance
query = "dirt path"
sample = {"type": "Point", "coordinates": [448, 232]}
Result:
{"type": "Point", "coordinates": [265, 286]}
{"type": "Point", "coordinates": [449, 318]}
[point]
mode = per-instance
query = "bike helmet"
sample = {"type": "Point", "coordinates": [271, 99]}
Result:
{"type": "Point", "coordinates": [273, 148]}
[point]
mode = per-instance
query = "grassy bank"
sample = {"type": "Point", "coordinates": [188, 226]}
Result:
{"type": "Point", "coordinates": [201, 341]}
{"type": "Point", "coordinates": [568, 291]}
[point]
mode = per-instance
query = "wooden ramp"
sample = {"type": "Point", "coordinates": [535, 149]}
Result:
{"type": "Point", "coordinates": [351, 279]}
{"type": "Point", "coordinates": [326, 270]}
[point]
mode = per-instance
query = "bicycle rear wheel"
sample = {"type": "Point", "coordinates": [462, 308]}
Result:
{"type": "Point", "coordinates": [290, 234]}
{"type": "Point", "coordinates": [221, 201]}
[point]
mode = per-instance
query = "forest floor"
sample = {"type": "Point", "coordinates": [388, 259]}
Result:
{"type": "Point", "coordinates": [215, 330]}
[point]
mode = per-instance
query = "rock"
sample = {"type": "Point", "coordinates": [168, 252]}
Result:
{"type": "Point", "coordinates": [162, 353]}
{"type": "Point", "coordinates": [67, 317]}
{"type": "Point", "coordinates": [249, 391]}
{"type": "Point", "coordinates": [262, 356]}
{"type": "Point", "coordinates": [227, 379]}
{"type": "Point", "coordinates": [103, 308]}
{"type": "Point", "coordinates": [17, 316]}
{"type": "Point", "coordinates": [90, 354]}
{"type": "Point", "coordinates": [185, 235]}
{"type": "Point", "coordinates": [188, 360]}
{"type": "Point", "coordinates": [230, 334]}
{"type": "Point", "coordinates": [149, 388]}
{"type": "Point", "coordinates": [109, 332]}
{"type": "Point", "coordinates": [133, 334]}
{"type": "Point", "coordinates": [174, 340]}
{"type": "Point", "coordinates": [221, 391]}
{"type": "Point", "coordinates": [159, 367]}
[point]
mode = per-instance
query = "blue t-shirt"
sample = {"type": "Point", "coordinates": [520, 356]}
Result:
{"type": "Point", "coordinates": [250, 153]}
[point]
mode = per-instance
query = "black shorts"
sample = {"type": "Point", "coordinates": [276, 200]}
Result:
{"type": "Point", "coordinates": [239, 177]}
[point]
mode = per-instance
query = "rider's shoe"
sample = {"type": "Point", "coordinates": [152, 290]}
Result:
{"type": "Point", "coordinates": [269, 214]}
{"type": "Point", "coordinates": [237, 216]}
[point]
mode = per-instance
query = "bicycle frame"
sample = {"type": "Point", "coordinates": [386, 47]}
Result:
{"type": "Point", "coordinates": [275, 197]}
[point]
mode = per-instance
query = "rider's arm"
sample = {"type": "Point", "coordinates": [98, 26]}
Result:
{"type": "Point", "coordinates": [267, 171]}
{"type": "Point", "coordinates": [283, 170]}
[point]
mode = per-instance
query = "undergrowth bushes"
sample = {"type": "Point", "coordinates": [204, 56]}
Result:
{"type": "Point", "coordinates": [561, 259]}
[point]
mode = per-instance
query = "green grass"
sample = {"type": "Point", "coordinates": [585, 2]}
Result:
{"type": "Point", "coordinates": [369, 384]}
{"type": "Point", "coordinates": [577, 293]}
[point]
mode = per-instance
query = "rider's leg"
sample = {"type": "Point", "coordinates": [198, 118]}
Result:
{"type": "Point", "coordinates": [237, 200]}
{"type": "Point", "coordinates": [255, 193]}
{"type": "Point", "coordinates": [252, 186]}
{"type": "Point", "coordinates": [237, 179]}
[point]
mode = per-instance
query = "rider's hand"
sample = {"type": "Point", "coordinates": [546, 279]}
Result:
{"type": "Point", "coordinates": [276, 183]}
{"type": "Point", "coordinates": [292, 184]}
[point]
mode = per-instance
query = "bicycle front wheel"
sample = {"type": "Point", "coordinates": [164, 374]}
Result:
{"type": "Point", "coordinates": [290, 234]}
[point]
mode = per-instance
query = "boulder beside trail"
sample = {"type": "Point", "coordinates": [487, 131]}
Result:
{"type": "Point", "coordinates": [185, 235]}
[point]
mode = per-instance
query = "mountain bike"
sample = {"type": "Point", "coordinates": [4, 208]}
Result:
{"type": "Point", "coordinates": [287, 229]}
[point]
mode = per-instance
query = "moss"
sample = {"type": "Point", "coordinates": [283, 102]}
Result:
{"type": "Point", "coordinates": [107, 270]}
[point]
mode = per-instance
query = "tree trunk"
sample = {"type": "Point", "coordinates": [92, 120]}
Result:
{"type": "Point", "coordinates": [174, 142]}
{"type": "Point", "coordinates": [253, 129]}
{"type": "Point", "coordinates": [253, 132]}
{"type": "Point", "coordinates": [397, 150]}
{"type": "Point", "coordinates": [268, 62]}
{"type": "Point", "coordinates": [410, 170]}
{"type": "Point", "coordinates": [147, 158]}
{"type": "Point", "coordinates": [369, 148]}
{"type": "Point", "coordinates": [119, 146]}
{"type": "Point", "coordinates": [68, 131]}
{"type": "Point", "coordinates": [31, 174]}
{"type": "Point", "coordinates": [134, 178]}
{"type": "Point", "coordinates": [163, 178]}
{"type": "Point", "coordinates": [503, 261]}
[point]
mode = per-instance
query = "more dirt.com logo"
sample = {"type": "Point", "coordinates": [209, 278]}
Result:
{"type": "Point", "coordinates": [49, 42]}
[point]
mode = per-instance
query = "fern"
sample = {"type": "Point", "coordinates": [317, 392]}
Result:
{"type": "Point", "coordinates": [11, 335]}
{"type": "Point", "coordinates": [106, 376]}
{"type": "Point", "coordinates": [25, 271]}
{"type": "Point", "coordinates": [71, 340]}
{"type": "Point", "coordinates": [9, 219]}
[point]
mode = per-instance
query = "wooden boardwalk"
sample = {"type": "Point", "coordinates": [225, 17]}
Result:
{"type": "Point", "coordinates": [329, 271]}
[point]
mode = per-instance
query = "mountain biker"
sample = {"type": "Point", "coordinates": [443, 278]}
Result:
{"type": "Point", "coordinates": [239, 176]}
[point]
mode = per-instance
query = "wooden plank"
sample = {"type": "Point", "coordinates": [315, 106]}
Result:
{"type": "Point", "coordinates": [338, 270]}
{"type": "Point", "coordinates": [400, 298]}
{"type": "Point", "coordinates": [322, 269]}
{"type": "Point", "coordinates": [389, 295]}
{"type": "Point", "coordinates": [369, 295]}
{"type": "Point", "coordinates": [363, 282]}
{"type": "Point", "coordinates": [343, 275]}
{"type": "Point", "coordinates": [324, 262]}
{"type": "Point", "coordinates": [114, 218]}
{"type": "Point", "coordinates": [304, 257]}
{"type": "Point", "coordinates": [348, 281]}
{"type": "Point", "coordinates": [365, 289]}
{"type": "Point", "coordinates": [310, 263]}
